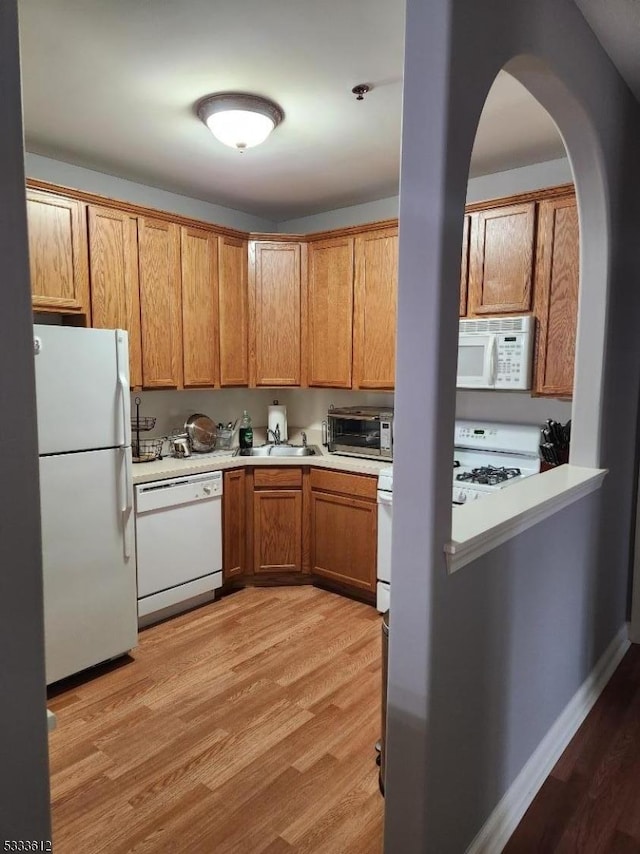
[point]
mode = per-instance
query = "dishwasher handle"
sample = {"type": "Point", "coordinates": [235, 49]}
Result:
{"type": "Point", "coordinates": [164, 494]}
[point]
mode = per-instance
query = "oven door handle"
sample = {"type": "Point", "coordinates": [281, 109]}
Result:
{"type": "Point", "coordinates": [490, 362]}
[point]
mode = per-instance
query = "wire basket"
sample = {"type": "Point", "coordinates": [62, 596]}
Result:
{"type": "Point", "coordinates": [144, 423]}
{"type": "Point", "coordinates": [146, 450]}
{"type": "Point", "coordinates": [224, 438]}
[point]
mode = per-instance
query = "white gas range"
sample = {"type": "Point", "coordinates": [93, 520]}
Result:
{"type": "Point", "coordinates": [487, 457]}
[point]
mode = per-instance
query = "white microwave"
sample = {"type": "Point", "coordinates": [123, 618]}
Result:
{"type": "Point", "coordinates": [496, 352]}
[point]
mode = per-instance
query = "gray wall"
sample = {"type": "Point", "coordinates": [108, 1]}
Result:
{"type": "Point", "coordinates": [24, 782]}
{"type": "Point", "coordinates": [483, 662]}
{"type": "Point", "coordinates": [69, 175]}
{"type": "Point", "coordinates": [493, 186]}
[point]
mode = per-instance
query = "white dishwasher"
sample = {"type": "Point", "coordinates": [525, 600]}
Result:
{"type": "Point", "coordinates": [179, 543]}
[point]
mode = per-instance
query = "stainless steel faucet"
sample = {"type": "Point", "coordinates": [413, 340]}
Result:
{"type": "Point", "coordinates": [277, 439]}
{"type": "Point", "coordinates": [304, 439]}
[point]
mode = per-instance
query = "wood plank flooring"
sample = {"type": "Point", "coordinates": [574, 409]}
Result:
{"type": "Point", "coordinates": [590, 803]}
{"type": "Point", "coordinates": [243, 727]}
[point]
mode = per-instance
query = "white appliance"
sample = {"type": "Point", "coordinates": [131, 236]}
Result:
{"type": "Point", "coordinates": [86, 496]}
{"type": "Point", "coordinates": [490, 456]}
{"type": "Point", "coordinates": [385, 512]}
{"type": "Point", "coordinates": [496, 352]}
{"type": "Point", "coordinates": [179, 540]}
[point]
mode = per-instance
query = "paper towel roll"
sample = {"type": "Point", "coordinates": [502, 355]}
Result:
{"type": "Point", "coordinates": [277, 419]}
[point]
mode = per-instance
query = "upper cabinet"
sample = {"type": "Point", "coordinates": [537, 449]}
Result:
{"type": "Point", "coordinates": [330, 301]}
{"type": "Point", "coordinates": [113, 264]}
{"type": "Point", "coordinates": [464, 266]}
{"type": "Point", "coordinates": [556, 295]}
{"type": "Point", "coordinates": [375, 297]}
{"type": "Point", "coordinates": [160, 296]}
{"type": "Point", "coordinates": [205, 307]}
{"type": "Point", "coordinates": [58, 253]}
{"type": "Point", "coordinates": [233, 311]}
{"type": "Point", "coordinates": [199, 279]}
{"type": "Point", "coordinates": [276, 299]}
{"type": "Point", "coordinates": [501, 260]}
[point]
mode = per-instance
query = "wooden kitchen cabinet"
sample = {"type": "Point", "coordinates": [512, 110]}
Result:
{"type": "Point", "coordinates": [344, 525]}
{"type": "Point", "coordinates": [464, 266]}
{"type": "Point", "coordinates": [113, 267]}
{"type": "Point", "coordinates": [556, 295]}
{"type": "Point", "coordinates": [277, 520]}
{"type": "Point", "coordinates": [58, 255]}
{"type": "Point", "coordinates": [234, 524]}
{"type": "Point", "coordinates": [275, 283]}
{"type": "Point", "coordinates": [501, 260]}
{"type": "Point", "coordinates": [374, 313]}
{"type": "Point", "coordinates": [199, 279]}
{"type": "Point", "coordinates": [330, 312]}
{"type": "Point", "coordinates": [160, 303]}
{"type": "Point", "coordinates": [233, 311]}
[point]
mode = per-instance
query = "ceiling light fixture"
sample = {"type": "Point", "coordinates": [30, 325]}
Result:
{"type": "Point", "coordinates": [239, 120]}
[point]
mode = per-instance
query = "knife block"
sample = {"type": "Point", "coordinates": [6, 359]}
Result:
{"type": "Point", "coordinates": [563, 454]}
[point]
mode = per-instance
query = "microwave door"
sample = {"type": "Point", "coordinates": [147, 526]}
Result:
{"type": "Point", "coordinates": [476, 361]}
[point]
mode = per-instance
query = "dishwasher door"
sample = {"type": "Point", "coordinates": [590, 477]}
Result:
{"type": "Point", "coordinates": [179, 540]}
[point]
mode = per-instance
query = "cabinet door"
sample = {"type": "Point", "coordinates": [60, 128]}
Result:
{"type": "Point", "coordinates": [234, 311]}
{"type": "Point", "coordinates": [233, 520]}
{"type": "Point", "coordinates": [375, 292]}
{"type": "Point", "coordinates": [160, 313]}
{"type": "Point", "coordinates": [556, 296]}
{"type": "Point", "coordinates": [277, 530]}
{"type": "Point", "coordinates": [502, 260]}
{"type": "Point", "coordinates": [58, 255]}
{"type": "Point", "coordinates": [330, 302]}
{"type": "Point", "coordinates": [344, 540]}
{"type": "Point", "coordinates": [276, 283]}
{"type": "Point", "coordinates": [199, 266]}
{"type": "Point", "coordinates": [113, 266]}
{"type": "Point", "coordinates": [464, 266]}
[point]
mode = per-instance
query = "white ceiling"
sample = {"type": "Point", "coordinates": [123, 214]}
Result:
{"type": "Point", "coordinates": [112, 86]}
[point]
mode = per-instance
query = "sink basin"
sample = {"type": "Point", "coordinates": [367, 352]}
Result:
{"type": "Point", "coordinates": [279, 451]}
{"type": "Point", "coordinates": [293, 451]}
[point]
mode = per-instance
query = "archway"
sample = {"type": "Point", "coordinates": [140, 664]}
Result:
{"type": "Point", "coordinates": [469, 701]}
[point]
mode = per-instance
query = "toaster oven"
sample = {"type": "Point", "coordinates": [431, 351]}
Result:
{"type": "Point", "coordinates": [360, 431]}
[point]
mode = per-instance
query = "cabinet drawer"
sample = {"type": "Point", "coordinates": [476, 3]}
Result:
{"type": "Point", "coordinates": [344, 483]}
{"type": "Point", "coordinates": [283, 476]}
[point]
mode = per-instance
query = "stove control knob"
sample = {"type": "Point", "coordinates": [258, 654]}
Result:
{"type": "Point", "coordinates": [462, 496]}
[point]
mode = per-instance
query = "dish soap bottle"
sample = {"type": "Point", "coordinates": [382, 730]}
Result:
{"type": "Point", "coordinates": [246, 431]}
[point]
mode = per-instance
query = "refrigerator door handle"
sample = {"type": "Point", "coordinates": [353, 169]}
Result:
{"type": "Point", "coordinates": [122, 357]}
{"type": "Point", "coordinates": [127, 503]}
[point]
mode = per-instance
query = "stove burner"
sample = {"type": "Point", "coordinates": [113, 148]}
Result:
{"type": "Point", "coordinates": [488, 475]}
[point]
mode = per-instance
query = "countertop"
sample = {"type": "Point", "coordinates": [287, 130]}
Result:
{"type": "Point", "coordinates": [169, 467]}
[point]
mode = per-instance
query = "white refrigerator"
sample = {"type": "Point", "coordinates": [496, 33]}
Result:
{"type": "Point", "coordinates": [86, 496]}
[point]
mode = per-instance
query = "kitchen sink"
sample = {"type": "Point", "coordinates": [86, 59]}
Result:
{"type": "Point", "coordinates": [279, 451]}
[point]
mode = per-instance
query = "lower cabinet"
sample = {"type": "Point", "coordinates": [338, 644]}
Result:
{"type": "Point", "coordinates": [277, 520]}
{"type": "Point", "coordinates": [233, 524]}
{"type": "Point", "coordinates": [313, 524]}
{"type": "Point", "coordinates": [344, 529]}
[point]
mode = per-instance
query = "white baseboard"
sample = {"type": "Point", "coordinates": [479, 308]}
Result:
{"type": "Point", "coordinates": [502, 822]}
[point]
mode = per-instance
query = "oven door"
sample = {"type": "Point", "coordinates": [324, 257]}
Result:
{"type": "Point", "coordinates": [476, 361]}
{"type": "Point", "coordinates": [355, 435]}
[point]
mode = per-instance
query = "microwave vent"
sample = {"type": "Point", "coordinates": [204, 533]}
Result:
{"type": "Point", "coordinates": [520, 323]}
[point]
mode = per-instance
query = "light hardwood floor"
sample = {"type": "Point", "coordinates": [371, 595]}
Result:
{"type": "Point", "coordinates": [245, 726]}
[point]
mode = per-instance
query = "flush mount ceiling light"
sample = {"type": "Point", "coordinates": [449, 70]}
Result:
{"type": "Point", "coordinates": [239, 120]}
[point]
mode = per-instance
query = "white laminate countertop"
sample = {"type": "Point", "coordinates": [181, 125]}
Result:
{"type": "Point", "coordinates": [170, 467]}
